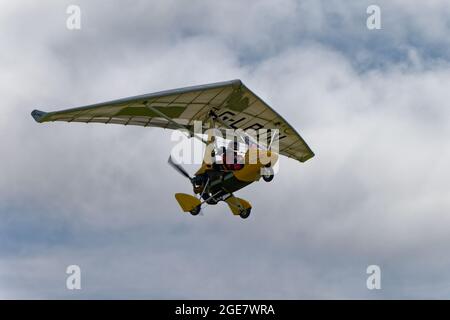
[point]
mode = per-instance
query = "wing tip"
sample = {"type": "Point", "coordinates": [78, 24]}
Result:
{"type": "Point", "coordinates": [38, 115]}
{"type": "Point", "coordinates": [307, 157]}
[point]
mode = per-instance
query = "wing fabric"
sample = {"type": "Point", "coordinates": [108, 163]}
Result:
{"type": "Point", "coordinates": [231, 101]}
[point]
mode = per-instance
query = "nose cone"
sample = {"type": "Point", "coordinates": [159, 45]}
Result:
{"type": "Point", "coordinates": [255, 160]}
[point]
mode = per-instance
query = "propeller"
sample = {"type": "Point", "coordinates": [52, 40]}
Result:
{"type": "Point", "coordinates": [179, 168]}
{"type": "Point", "coordinates": [182, 171]}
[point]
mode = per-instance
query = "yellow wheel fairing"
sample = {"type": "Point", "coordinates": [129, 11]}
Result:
{"type": "Point", "coordinates": [237, 204]}
{"type": "Point", "coordinates": [187, 202]}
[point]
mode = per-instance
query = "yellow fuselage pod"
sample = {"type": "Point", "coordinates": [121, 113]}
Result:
{"type": "Point", "coordinates": [254, 161]}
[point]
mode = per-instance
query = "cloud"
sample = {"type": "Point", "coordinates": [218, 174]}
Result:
{"type": "Point", "coordinates": [372, 105]}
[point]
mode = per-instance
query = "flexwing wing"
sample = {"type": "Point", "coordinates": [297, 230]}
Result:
{"type": "Point", "coordinates": [232, 101]}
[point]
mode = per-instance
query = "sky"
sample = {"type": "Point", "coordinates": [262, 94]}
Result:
{"type": "Point", "coordinates": [372, 104]}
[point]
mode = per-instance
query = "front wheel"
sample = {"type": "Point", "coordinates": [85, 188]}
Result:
{"type": "Point", "coordinates": [244, 214]}
{"type": "Point", "coordinates": [268, 174]}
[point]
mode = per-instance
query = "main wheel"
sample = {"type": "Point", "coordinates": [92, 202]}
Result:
{"type": "Point", "coordinates": [244, 214]}
{"type": "Point", "coordinates": [268, 174]}
{"type": "Point", "coordinates": [195, 211]}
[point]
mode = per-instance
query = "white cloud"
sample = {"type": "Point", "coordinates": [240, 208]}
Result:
{"type": "Point", "coordinates": [102, 196]}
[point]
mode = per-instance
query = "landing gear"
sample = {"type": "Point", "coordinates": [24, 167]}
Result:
{"type": "Point", "coordinates": [268, 174]}
{"type": "Point", "coordinates": [196, 210]}
{"type": "Point", "coordinates": [245, 213]}
{"type": "Point", "coordinates": [209, 198]}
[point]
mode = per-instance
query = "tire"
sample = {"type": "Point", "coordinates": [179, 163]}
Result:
{"type": "Point", "coordinates": [268, 175]}
{"type": "Point", "coordinates": [244, 214]}
{"type": "Point", "coordinates": [195, 211]}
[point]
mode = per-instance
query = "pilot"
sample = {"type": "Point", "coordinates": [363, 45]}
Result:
{"type": "Point", "coordinates": [230, 158]}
